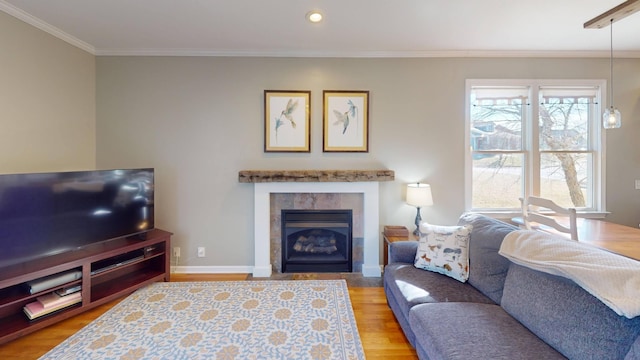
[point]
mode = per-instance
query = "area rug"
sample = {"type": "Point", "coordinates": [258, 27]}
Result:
{"type": "Point", "coordinates": [310, 319]}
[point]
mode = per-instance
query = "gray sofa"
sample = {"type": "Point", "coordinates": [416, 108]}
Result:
{"type": "Point", "coordinates": [504, 310]}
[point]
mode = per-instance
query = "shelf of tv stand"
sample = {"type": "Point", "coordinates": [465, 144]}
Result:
{"type": "Point", "coordinates": [17, 325]}
{"type": "Point", "coordinates": [125, 277]}
{"type": "Point", "coordinates": [14, 294]}
{"type": "Point", "coordinates": [111, 284]}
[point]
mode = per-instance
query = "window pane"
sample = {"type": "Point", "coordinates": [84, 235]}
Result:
{"type": "Point", "coordinates": [497, 180]}
{"type": "Point", "coordinates": [497, 118]}
{"type": "Point", "coordinates": [553, 152]}
{"type": "Point", "coordinates": [565, 117]}
{"type": "Point", "coordinates": [565, 178]}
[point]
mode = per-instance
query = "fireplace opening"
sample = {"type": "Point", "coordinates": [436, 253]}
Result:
{"type": "Point", "coordinates": [317, 240]}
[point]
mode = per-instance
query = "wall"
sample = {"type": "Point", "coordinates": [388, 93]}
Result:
{"type": "Point", "coordinates": [47, 101]}
{"type": "Point", "coordinates": [199, 120]}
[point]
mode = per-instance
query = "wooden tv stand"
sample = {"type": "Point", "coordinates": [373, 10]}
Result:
{"type": "Point", "coordinates": [109, 269]}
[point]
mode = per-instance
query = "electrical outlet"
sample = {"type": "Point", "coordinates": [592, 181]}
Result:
{"type": "Point", "coordinates": [176, 251]}
{"type": "Point", "coordinates": [200, 251]}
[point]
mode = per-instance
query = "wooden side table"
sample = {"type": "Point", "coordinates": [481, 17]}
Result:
{"type": "Point", "coordinates": [388, 239]}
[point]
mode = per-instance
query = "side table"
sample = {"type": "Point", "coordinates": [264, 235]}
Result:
{"type": "Point", "coordinates": [388, 239]}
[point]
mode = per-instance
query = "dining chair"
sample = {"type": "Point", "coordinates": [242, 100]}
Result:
{"type": "Point", "coordinates": [540, 214]}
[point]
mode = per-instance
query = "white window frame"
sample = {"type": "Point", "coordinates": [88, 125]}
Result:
{"type": "Point", "coordinates": [531, 144]}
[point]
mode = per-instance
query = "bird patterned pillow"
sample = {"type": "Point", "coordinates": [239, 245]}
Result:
{"type": "Point", "coordinates": [445, 250]}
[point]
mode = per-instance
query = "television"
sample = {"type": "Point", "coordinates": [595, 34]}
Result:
{"type": "Point", "coordinates": [44, 214]}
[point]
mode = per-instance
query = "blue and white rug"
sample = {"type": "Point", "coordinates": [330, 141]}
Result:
{"type": "Point", "coordinates": [311, 319]}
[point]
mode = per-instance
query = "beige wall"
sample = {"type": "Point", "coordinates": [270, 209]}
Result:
{"type": "Point", "coordinates": [199, 120]}
{"type": "Point", "coordinates": [47, 101]}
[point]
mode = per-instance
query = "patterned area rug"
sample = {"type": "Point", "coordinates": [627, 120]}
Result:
{"type": "Point", "coordinates": [311, 319]}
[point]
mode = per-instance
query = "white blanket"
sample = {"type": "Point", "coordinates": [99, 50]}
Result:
{"type": "Point", "coordinates": [612, 278]}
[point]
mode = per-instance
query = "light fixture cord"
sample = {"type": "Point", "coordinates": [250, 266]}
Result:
{"type": "Point", "coordinates": [611, 62]}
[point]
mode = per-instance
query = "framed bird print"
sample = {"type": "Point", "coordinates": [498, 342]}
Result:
{"type": "Point", "coordinates": [286, 121]}
{"type": "Point", "coordinates": [345, 121]}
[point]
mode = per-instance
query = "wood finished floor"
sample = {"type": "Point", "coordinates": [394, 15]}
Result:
{"type": "Point", "coordinates": [380, 333]}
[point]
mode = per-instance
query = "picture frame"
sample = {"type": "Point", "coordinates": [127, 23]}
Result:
{"type": "Point", "coordinates": [287, 121]}
{"type": "Point", "coordinates": [345, 121]}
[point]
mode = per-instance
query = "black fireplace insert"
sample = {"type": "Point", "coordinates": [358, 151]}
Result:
{"type": "Point", "coordinates": [317, 240]}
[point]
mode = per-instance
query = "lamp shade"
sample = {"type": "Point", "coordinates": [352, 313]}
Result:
{"type": "Point", "coordinates": [419, 195]}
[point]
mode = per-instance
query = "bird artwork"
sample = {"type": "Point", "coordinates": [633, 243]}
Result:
{"type": "Point", "coordinates": [278, 124]}
{"type": "Point", "coordinates": [344, 118]}
{"type": "Point", "coordinates": [291, 107]}
{"type": "Point", "coordinates": [287, 113]}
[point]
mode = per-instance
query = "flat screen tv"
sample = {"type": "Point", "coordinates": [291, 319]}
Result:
{"type": "Point", "coordinates": [46, 214]}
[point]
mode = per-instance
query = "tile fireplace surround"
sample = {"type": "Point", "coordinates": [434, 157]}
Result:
{"type": "Point", "coordinates": [267, 182]}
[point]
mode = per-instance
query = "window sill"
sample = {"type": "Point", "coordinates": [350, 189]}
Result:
{"type": "Point", "coordinates": [507, 215]}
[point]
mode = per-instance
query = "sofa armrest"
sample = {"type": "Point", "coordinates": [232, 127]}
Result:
{"type": "Point", "coordinates": [403, 251]}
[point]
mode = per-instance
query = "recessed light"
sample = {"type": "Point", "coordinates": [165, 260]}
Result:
{"type": "Point", "coordinates": [314, 16]}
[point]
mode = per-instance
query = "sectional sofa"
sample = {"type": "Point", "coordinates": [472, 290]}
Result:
{"type": "Point", "coordinates": [504, 310]}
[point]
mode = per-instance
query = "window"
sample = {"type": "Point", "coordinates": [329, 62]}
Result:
{"type": "Point", "coordinates": [529, 137]}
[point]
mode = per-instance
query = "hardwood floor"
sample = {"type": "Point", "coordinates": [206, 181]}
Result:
{"type": "Point", "coordinates": [379, 331]}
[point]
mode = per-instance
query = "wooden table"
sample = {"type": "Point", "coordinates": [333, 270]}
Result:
{"type": "Point", "coordinates": [616, 238]}
{"type": "Point", "coordinates": [619, 239]}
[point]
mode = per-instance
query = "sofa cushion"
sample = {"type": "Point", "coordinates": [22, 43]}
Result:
{"type": "Point", "coordinates": [445, 250]}
{"type": "Point", "coordinates": [410, 286]}
{"type": "Point", "coordinates": [473, 331]}
{"type": "Point", "coordinates": [487, 269]}
{"type": "Point", "coordinates": [567, 317]}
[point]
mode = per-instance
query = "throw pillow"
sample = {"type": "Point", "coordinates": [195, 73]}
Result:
{"type": "Point", "coordinates": [444, 249]}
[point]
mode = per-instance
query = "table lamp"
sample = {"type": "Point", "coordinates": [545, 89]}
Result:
{"type": "Point", "coordinates": [419, 195]}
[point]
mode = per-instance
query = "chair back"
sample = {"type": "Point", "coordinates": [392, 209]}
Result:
{"type": "Point", "coordinates": [534, 213]}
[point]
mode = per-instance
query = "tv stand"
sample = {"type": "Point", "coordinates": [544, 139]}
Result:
{"type": "Point", "coordinates": [110, 270]}
{"type": "Point", "coordinates": [141, 236]}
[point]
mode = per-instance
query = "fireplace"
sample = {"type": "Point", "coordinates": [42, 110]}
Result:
{"type": "Point", "coordinates": [268, 182]}
{"type": "Point", "coordinates": [316, 240]}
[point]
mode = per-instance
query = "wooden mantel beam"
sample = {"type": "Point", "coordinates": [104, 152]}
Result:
{"type": "Point", "coordinates": [259, 176]}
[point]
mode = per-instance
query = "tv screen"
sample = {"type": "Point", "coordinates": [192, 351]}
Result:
{"type": "Point", "coordinates": [50, 213]}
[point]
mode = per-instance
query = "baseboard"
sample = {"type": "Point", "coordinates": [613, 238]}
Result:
{"type": "Point", "coordinates": [212, 269]}
{"type": "Point", "coordinates": [372, 271]}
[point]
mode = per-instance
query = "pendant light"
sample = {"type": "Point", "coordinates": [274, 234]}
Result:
{"type": "Point", "coordinates": [611, 118]}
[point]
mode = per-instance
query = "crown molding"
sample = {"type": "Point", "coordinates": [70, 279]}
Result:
{"type": "Point", "coordinates": [48, 28]}
{"type": "Point", "coordinates": [367, 54]}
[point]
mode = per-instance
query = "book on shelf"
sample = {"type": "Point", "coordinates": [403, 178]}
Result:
{"type": "Point", "coordinates": [37, 309]}
{"type": "Point", "coordinates": [53, 299]}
